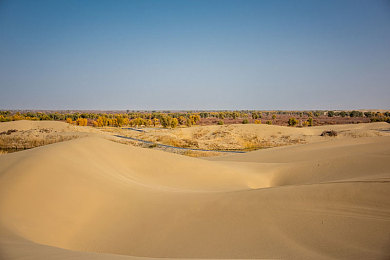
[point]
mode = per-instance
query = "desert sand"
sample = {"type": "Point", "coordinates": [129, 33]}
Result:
{"type": "Point", "coordinates": [91, 198]}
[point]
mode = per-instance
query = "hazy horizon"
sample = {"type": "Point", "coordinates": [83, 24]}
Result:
{"type": "Point", "coordinates": [194, 55]}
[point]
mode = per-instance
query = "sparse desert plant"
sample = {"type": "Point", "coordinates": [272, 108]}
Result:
{"type": "Point", "coordinates": [191, 153]}
{"type": "Point", "coordinates": [81, 121]}
{"type": "Point", "coordinates": [310, 121]}
{"type": "Point", "coordinates": [10, 131]}
{"type": "Point", "coordinates": [220, 122]}
{"type": "Point", "coordinates": [188, 122]}
{"type": "Point", "coordinates": [329, 133]}
{"type": "Point", "coordinates": [182, 120]}
{"type": "Point", "coordinates": [165, 121]}
{"type": "Point", "coordinates": [174, 122]}
{"type": "Point", "coordinates": [380, 119]}
{"type": "Point", "coordinates": [355, 114]}
{"type": "Point", "coordinates": [292, 121]}
{"type": "Point", "coordinates": [26, 142]}
{"type": "Point", "coordinates": [257, 121]}
{"type": "Point", "coordinates": [194, 119]}
{"type": "Point", "coordinates": [245, 121]}
{"type": "Point", "coordinates": [268, 122]}
{"type": "Point", "coordinates": [274, 116]}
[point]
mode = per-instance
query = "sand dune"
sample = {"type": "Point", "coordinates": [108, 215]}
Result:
{"type": "Point", "coordinates": [91, 198]}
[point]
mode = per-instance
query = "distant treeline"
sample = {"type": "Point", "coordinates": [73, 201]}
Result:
{"type": "Point", "coordinates": [173, 119]}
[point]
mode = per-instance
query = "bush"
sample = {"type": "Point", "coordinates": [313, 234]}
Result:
{"type": "Point", "coordinates": [182, 120]}
{"type": "Point", "coordinates": [245, 121]}
{"type": "Point", "coordinates": [380, 119]}
{"type": "Point", "coordinates": [220, 122]}
{"type": "Point", "coordinates": [268, 122]}
{"type": "Point", "coordinates": [155, 122]}
{"type": "Point", "coordinates": [165, 121]}
{"type": "Point", "coordinates": [82, 121]}
{"type": "Point", "coordinates": [292, 121]}
{"type": "Point", "coordinates": [174, 122]}
{"type": "Point", "coordinates": [310, 121]}
{"type": "Point", "coordinates": [257, 121]}
{"type": "Point", "coordinates": [329, 133]}
{"type": "Point", "coordinates": [356, 114]}
{"type": "Point", "coordinates": [188, 122]}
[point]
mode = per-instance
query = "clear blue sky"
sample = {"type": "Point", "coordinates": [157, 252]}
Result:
{"type": "Point", "coordinates": [183, 54]}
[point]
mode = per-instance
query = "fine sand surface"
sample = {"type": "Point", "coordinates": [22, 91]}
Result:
{"type": "Point", "coordinates": [91, 198]}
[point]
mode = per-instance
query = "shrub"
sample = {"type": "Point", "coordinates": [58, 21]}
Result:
{"type": "Point", "coordinates": [81, 121]}
{"type": "Point", "coordinates": [188, 122]}
{"type": "Point", "coordinates": [165, 121]}
{"type": "Point", "coordinates": [273, 116]}
{"type": "Point", "coordinates": [194, 119]}
{"type": "Point", "coordinates": [292, 121]}
{"type": "Point", "coordinates": [356, 114]}
{"type": "Point", "coordinates": [255, 115]}
{"type": "Point", "coordinates": [245, 121]}
{"type": "Point", "coordinates": [220, 122]}
{"type": "Point", "coordinates": [268, 122]}
{"type": "Point", "coordinates": [155, 122]}
{"type": "Point", "coordinates": [174, 122]}
{"type": "Point", "coordinates": [329, 133]}
{"type": "Point", "coordinates": [367, 114]}
{"type": "Point", "coordinates": [310, 121]}
{"type": "Point", "coordinates": [182, 120]}
{"type": "Point", "coordinates": [257, 121]}
{"type": "Point", "coordinates": [380, 119]}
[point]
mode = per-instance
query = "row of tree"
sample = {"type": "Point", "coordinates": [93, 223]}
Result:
{"type": "Point", "coordinates": [174, 119]}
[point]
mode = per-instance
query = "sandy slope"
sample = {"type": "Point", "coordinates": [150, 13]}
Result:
{"type": "Point", "coordinates": [86, 196]}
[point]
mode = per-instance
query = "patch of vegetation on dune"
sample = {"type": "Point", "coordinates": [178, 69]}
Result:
{"type": "Point", "coordinates": [26, 139]}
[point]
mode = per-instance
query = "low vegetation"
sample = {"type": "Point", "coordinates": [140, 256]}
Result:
{"type": "Point", "coordinates": [14, 140]}
{"type": "Point", "coordinates": [329, 133]}
{"type": "Point", "coordinates": [168, 119]}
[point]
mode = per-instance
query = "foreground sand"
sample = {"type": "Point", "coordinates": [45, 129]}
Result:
{"type": "Point", "coordinates": [91, 198]}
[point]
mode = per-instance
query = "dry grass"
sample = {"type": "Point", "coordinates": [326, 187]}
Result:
{"type": "Point", "coordinates": [221, 138]}
{"type": "Point", "coordinates": [27, 139]}
{"type": "Point", "coordinates": [17, 142]}
{"type": "Point", "coordinates": [173, 141]}
{"type": "Point", "coordinates": [200, 153]}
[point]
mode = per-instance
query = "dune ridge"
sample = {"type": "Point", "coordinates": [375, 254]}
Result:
{"type": "Point", "coordinates": [91, 198]}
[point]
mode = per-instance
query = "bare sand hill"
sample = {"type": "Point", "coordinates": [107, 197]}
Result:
{"type": "Point", "coordinates": [91, 198]}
